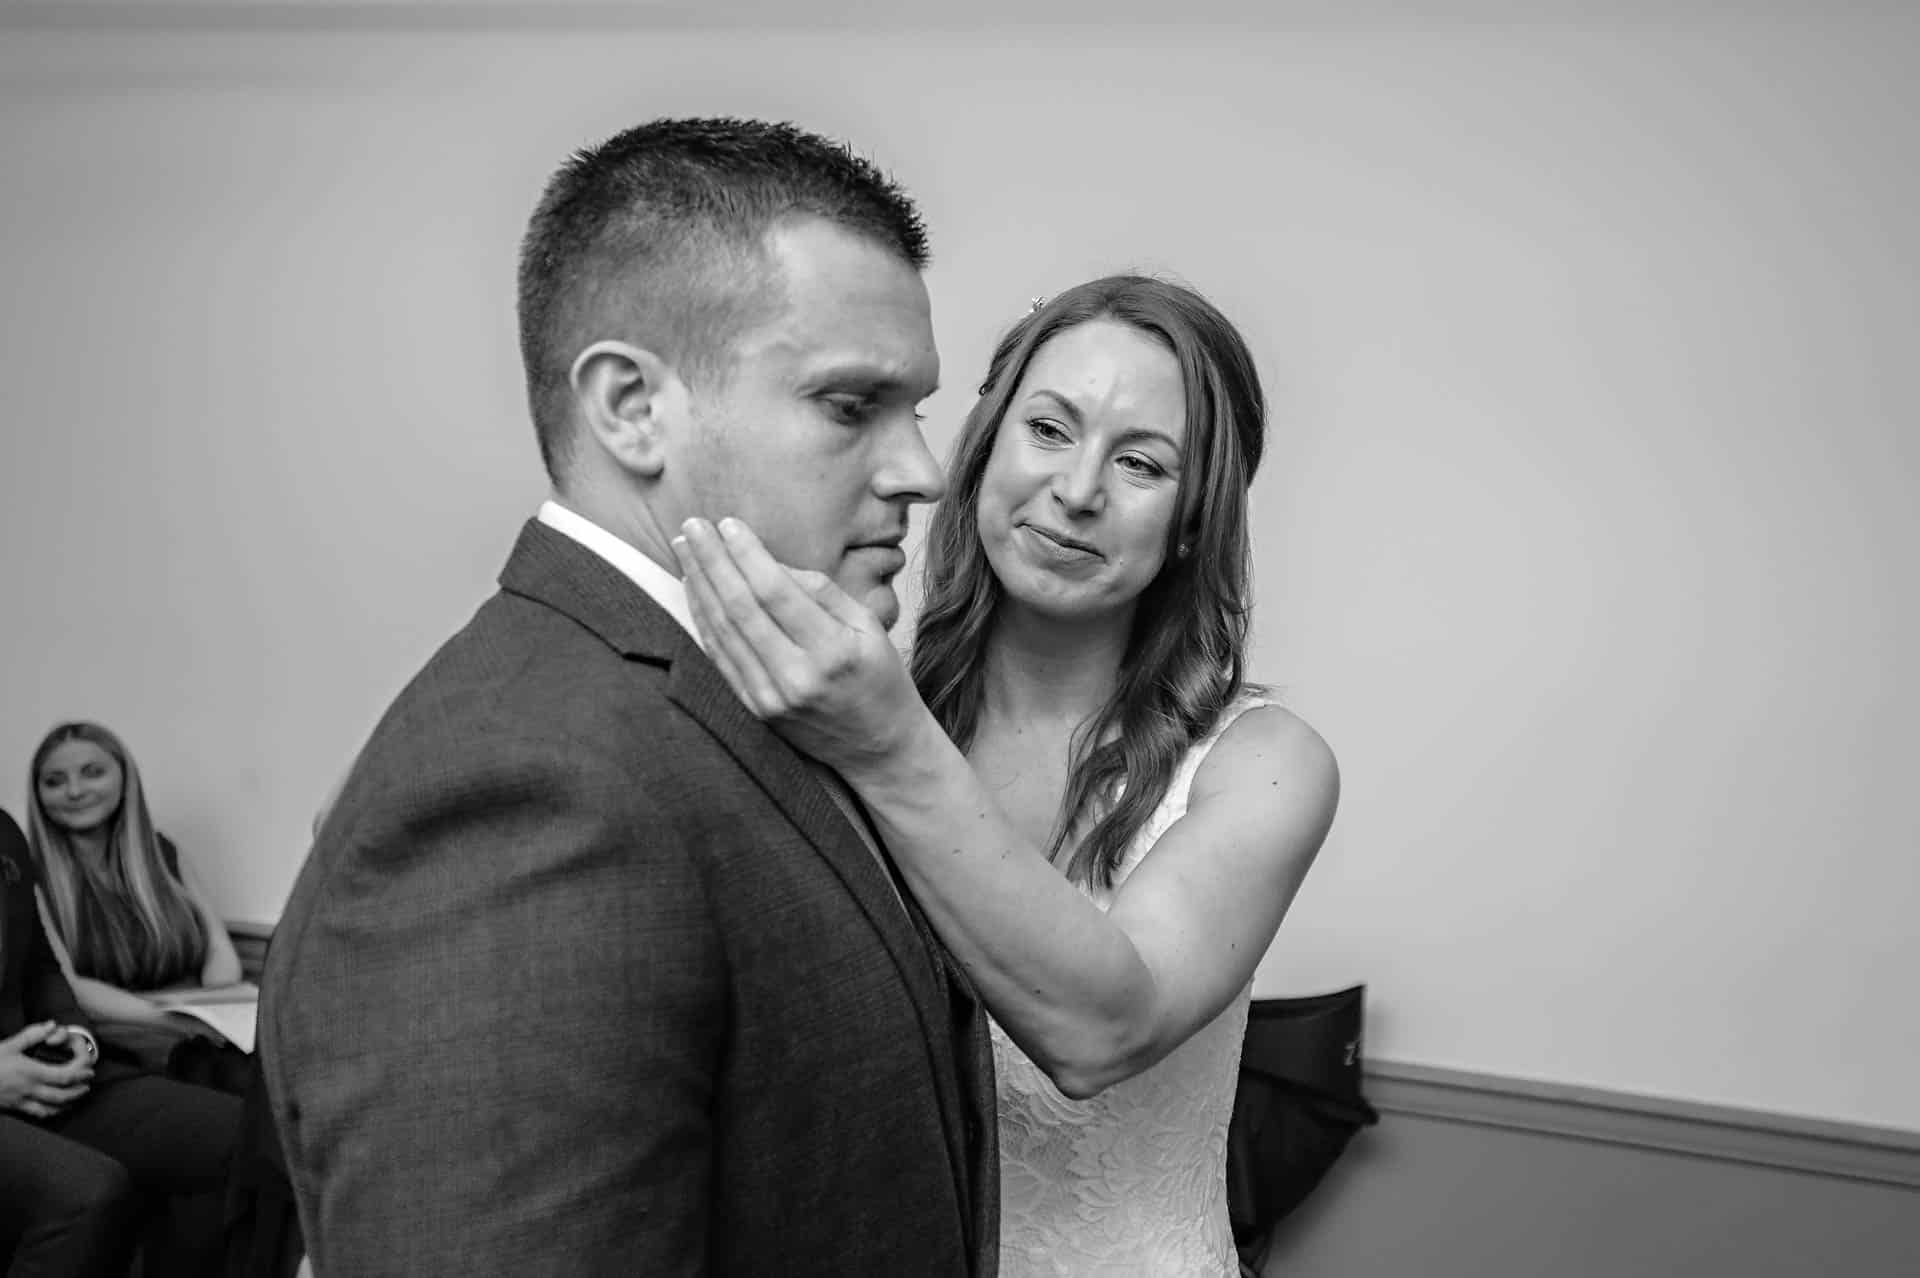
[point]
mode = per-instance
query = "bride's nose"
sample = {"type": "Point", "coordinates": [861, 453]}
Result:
{"type": "Point", "coordinates": [1079, 485]}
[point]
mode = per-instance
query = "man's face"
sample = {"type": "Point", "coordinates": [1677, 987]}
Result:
{"type": "Point", "coordinates": [813, 439]}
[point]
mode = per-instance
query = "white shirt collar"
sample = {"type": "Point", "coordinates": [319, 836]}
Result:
{"type": "Point", "coordinates": [661, 586]}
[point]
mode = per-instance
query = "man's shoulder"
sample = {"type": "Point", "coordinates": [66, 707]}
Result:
{"type": "Point", "coordinates": [519, 678]}
{"type": "Point", "coordinates": [512, 643]}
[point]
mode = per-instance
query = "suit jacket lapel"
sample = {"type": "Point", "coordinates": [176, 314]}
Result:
{"type": "Point", "coordinates": [978, 1095]}
{"type": "Point", "coordinates": [968, 1104]}
{"type": "Point", "coordinates": [553, 569]}
{"type": "Point", "coordinates": [940, 999]}
{"type": "Point", "coordinates": [550, 567]}
{"type": "Point", "coordinates": [699, 689]}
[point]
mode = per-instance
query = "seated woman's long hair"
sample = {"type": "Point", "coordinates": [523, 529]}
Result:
{"type": "Point", "coordinates": [1184, 659]}
{"type": "Point", "coordinates": [127, 919]}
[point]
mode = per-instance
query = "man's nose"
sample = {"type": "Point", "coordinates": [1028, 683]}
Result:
{"type": "Point", "coordinates": [908, 469]}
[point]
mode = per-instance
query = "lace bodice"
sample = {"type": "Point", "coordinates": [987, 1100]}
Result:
{"type": "Point", "coordinates": [1133, 1182]}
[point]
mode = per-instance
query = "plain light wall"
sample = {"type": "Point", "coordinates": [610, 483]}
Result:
{"type": "Point", "coordinates": [1585, 533]}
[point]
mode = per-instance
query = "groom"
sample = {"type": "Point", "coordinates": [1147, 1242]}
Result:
{"type": "Point", "coordinates": [587, 972]}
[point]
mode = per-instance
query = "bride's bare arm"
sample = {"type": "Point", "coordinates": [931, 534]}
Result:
{"type": "Point", "coordinates": [1097, 997]}
{"type": "Point", "coordinates": [1091, 997]}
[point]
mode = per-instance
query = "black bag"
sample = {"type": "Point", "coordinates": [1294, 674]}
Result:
{"type": "Point", "coordinates": [179, 1049]}
{"type": "Point", "coordinates": [1297, 1105]}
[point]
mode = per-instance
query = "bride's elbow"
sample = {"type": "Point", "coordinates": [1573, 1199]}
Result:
{"type": "Point", "coordinates": [1102, 1041]}
{"type": "Point", "coordinates": [1080, 1084]}
{"type": "Point", "coordinates": [1095, 1066]}
{"type": "Point", "coordinates": [1074, 1072]}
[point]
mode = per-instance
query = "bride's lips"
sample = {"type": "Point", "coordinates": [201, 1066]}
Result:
{"type": "Point", "coordinates": [1061, 546]}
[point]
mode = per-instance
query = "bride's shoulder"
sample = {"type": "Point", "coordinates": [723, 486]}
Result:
{"type": "Point", "coordinates": [1262, 747]}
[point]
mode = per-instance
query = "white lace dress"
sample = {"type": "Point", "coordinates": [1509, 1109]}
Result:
{"type": "Point", "coordinates": [1133, 1182]}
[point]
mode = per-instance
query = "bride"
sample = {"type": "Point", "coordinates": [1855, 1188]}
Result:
{"type": "Point", "coordinates": [1102, 820]}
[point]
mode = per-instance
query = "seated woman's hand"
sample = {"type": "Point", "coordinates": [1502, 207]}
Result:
{"type": "Point", "coordinates": [42, 1088]}
{"type": "Point", "coordinates": [810, 661]}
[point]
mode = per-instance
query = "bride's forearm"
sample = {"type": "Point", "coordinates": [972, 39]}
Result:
{"type": "Point", "coordinates": [1067, 984]}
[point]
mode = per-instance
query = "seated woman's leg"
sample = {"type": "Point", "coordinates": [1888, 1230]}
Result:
{"type": "Point", "coordinates": [176, 1142]}
{"type": "Point", "coordinates": [67, 1209]}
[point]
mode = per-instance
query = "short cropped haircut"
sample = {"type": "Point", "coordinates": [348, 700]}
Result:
{"type": "Point", "coordinates": [657, 236]}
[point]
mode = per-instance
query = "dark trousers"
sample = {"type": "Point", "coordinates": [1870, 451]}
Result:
{"type": "Point", "coordinates": [135, 1155]}
{"type": "Point", "coordinates": [263, 1224]}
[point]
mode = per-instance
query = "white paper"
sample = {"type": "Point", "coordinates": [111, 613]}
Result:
{"type": "Point", "coordinates": [230, 1011]}
{"type": "Point", "coordinates": [232, 1021]}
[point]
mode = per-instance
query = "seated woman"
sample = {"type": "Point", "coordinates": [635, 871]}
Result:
{"type": "Point", "coordinates": [89, 1146]}
{"type": "Point", "coordinates": [129, 922]}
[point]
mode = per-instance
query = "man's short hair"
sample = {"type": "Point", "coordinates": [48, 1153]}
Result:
{"type": "Point", "coordinates": [658, 237]}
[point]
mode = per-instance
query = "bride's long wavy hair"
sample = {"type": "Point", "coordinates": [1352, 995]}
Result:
{"type": "Point", "coordinates": [1184, 660]}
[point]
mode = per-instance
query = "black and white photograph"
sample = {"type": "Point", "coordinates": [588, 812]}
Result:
{"type": "Point", "coordinates": [959, 639]}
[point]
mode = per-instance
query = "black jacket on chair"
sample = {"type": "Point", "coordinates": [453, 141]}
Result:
{"type": "Point", "coordinates": [1297, 1105]}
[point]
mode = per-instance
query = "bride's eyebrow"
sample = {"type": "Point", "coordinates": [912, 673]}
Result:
{"type": "Point", "coordinates": [1066, 405]}
{"type": "Point", "coordinates": [1127, 436]}
{"type": "Point", "coordinates": [1133, 433]}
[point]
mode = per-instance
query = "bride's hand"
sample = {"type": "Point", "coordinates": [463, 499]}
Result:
{"type": "Point", "coordinates": [811, 662]}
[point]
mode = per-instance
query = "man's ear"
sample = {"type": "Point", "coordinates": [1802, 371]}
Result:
{"type": "Point", "coordinates": [628, 399]}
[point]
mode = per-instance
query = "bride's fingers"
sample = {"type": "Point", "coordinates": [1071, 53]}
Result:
{"type": "Point", "coordinates": [737, 596]}
{"type": "Point", "coordinates": [801, 648]}
{"type": "Point", "coordinates": [751, 688]}
{"type": "Point", "coordinates": [704, 556]}
{"type": "Point", "coordinates": [736, 659]}
{"type": "Point", "coordinates": [783, 593]}
{"type": "Point", "coordinates": [838, 604]}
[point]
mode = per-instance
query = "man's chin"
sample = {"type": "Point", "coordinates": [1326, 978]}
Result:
{"type": "Point", "coordinates": [880, 600]}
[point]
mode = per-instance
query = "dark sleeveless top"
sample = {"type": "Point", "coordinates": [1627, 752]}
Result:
{"type": "Point", "coordinates": [95, 916]}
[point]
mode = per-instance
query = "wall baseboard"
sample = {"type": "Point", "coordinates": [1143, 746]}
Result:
{"type": "Point", "coordinates": [1885, 1156]}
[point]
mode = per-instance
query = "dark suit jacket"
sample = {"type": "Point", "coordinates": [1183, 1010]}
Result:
{"type": "Point", "coordinates": [586, 974]}
{"type": "Point", "coordinates": [32, 986]}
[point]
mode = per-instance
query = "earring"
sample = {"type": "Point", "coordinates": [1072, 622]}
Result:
{"type": "Point", "coordinates": [1181, 550]}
